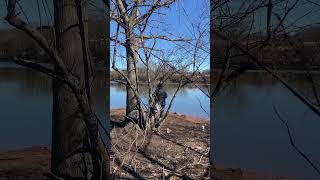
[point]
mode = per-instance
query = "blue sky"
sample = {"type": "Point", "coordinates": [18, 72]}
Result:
{"type": "Point", "coordinates": [176, 22]}
{"type": "Point", "coordinates": [30, 7]}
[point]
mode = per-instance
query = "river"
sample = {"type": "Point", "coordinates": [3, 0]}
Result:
{"type": "Point", "coordinates": [26, 104]}
{"type": "Point", "coordinates": [246, 133]}
{"type": "Point", "coordinates": [189, 100]}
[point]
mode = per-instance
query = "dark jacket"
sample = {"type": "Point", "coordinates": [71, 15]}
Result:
{"type": "Point", "coordinates": [161, 96]}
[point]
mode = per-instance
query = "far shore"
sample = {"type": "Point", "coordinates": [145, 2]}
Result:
{"type": "Point", "coordinates": [167, 83]}
{"type": "Point", "coordinates": [295, 71]}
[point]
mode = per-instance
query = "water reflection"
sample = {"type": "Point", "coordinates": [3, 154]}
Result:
{"type": "Point", "coordinates": [247, 133]}
{"type": "Point", "coordinates": [188, 101]}
{"type": "Point", "coordinates": [26, 104]}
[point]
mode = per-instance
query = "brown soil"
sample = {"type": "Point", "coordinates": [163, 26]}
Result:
{"type": "Point", "coordinates": [237, 174]}
{"type": "Point", "coordinates": [179, 151]}
{"type": "Point", "coordinates": [24, 164]}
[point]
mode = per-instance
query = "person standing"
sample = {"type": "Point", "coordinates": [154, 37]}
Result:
{"type": "Point", "coordinates": [161, 96]}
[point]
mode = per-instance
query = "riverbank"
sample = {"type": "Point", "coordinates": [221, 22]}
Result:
{"type": "Point", "coordinates": [173, 152]}
{"type": "Point", "coordinates": [34, 163]}
{"type": "Point", "coordinates": [179, 151]}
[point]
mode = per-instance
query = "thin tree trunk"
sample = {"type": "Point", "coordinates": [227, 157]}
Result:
{"type": "Point", "coordinates": [132, 112]}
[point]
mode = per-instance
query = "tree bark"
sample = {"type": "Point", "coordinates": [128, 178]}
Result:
{"type": "Point", "coordinates": [132, 112]}
{"type": "Point", "coordinates": [69, 130]}
{"type": "Point", "coordinates": [77, 148]}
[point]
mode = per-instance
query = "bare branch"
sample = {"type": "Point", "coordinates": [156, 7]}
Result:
{"type": "Point", "coordinates": [34, 34]}
{"type": "Point", "coordinates": [158, 4]}
{"type": "Point", "coordinates": [166, 38]}
{"type": "Point", "coordinates": [293, 143]}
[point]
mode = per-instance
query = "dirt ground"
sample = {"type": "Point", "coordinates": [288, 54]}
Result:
{"type": "Point", "coordinates": [24, 164]}
{"type": "Point", "coordinates": [222, 173]}
{"type": "Point", "coordinates": [178, 151]}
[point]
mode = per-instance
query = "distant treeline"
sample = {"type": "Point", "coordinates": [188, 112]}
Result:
{"type": "Point", "coordinates": [13, 42]}
{"type": "Point", "coordinates": [278, 54]}
{"type": "Point", "coordinates": [203, 78]}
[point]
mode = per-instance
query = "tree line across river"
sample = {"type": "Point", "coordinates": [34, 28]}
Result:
{"type": "Point", "coordinates": [13, 42]}
{"type": "Point", "coordinates": [277, 55]}
{"type": "Point", "coordinates": [200, 78]}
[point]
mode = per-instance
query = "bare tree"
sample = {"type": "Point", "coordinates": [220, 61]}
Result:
{"type": "Point", "coordinates": [133, 20]}
{"type": "Point", "coordinates": [77, 147]}
{"type": "Point", "coordinates": [140, 33]}
{"type": "Point", "coordinates": [248, 35]}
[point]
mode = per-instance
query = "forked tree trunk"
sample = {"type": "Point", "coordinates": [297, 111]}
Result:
{"type": "Point", "coordinates": [69, 131]}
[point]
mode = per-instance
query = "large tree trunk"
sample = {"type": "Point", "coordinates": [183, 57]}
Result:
{"type": "Point", "coordinates": [77, 148]}
{"type": "Point", "coordinates": [132, 112]}
{"type": "Point", "coordinates": [69, 130]}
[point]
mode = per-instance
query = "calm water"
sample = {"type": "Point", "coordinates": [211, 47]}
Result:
{"type": "Point", "coordinates": [26, 103]}
{"type": "Point", "coordinates": [247, 133]}
{"type": "Point", "coordinates": [26, 106]}
{"type": "Point", "coordinates": [190, 100]}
